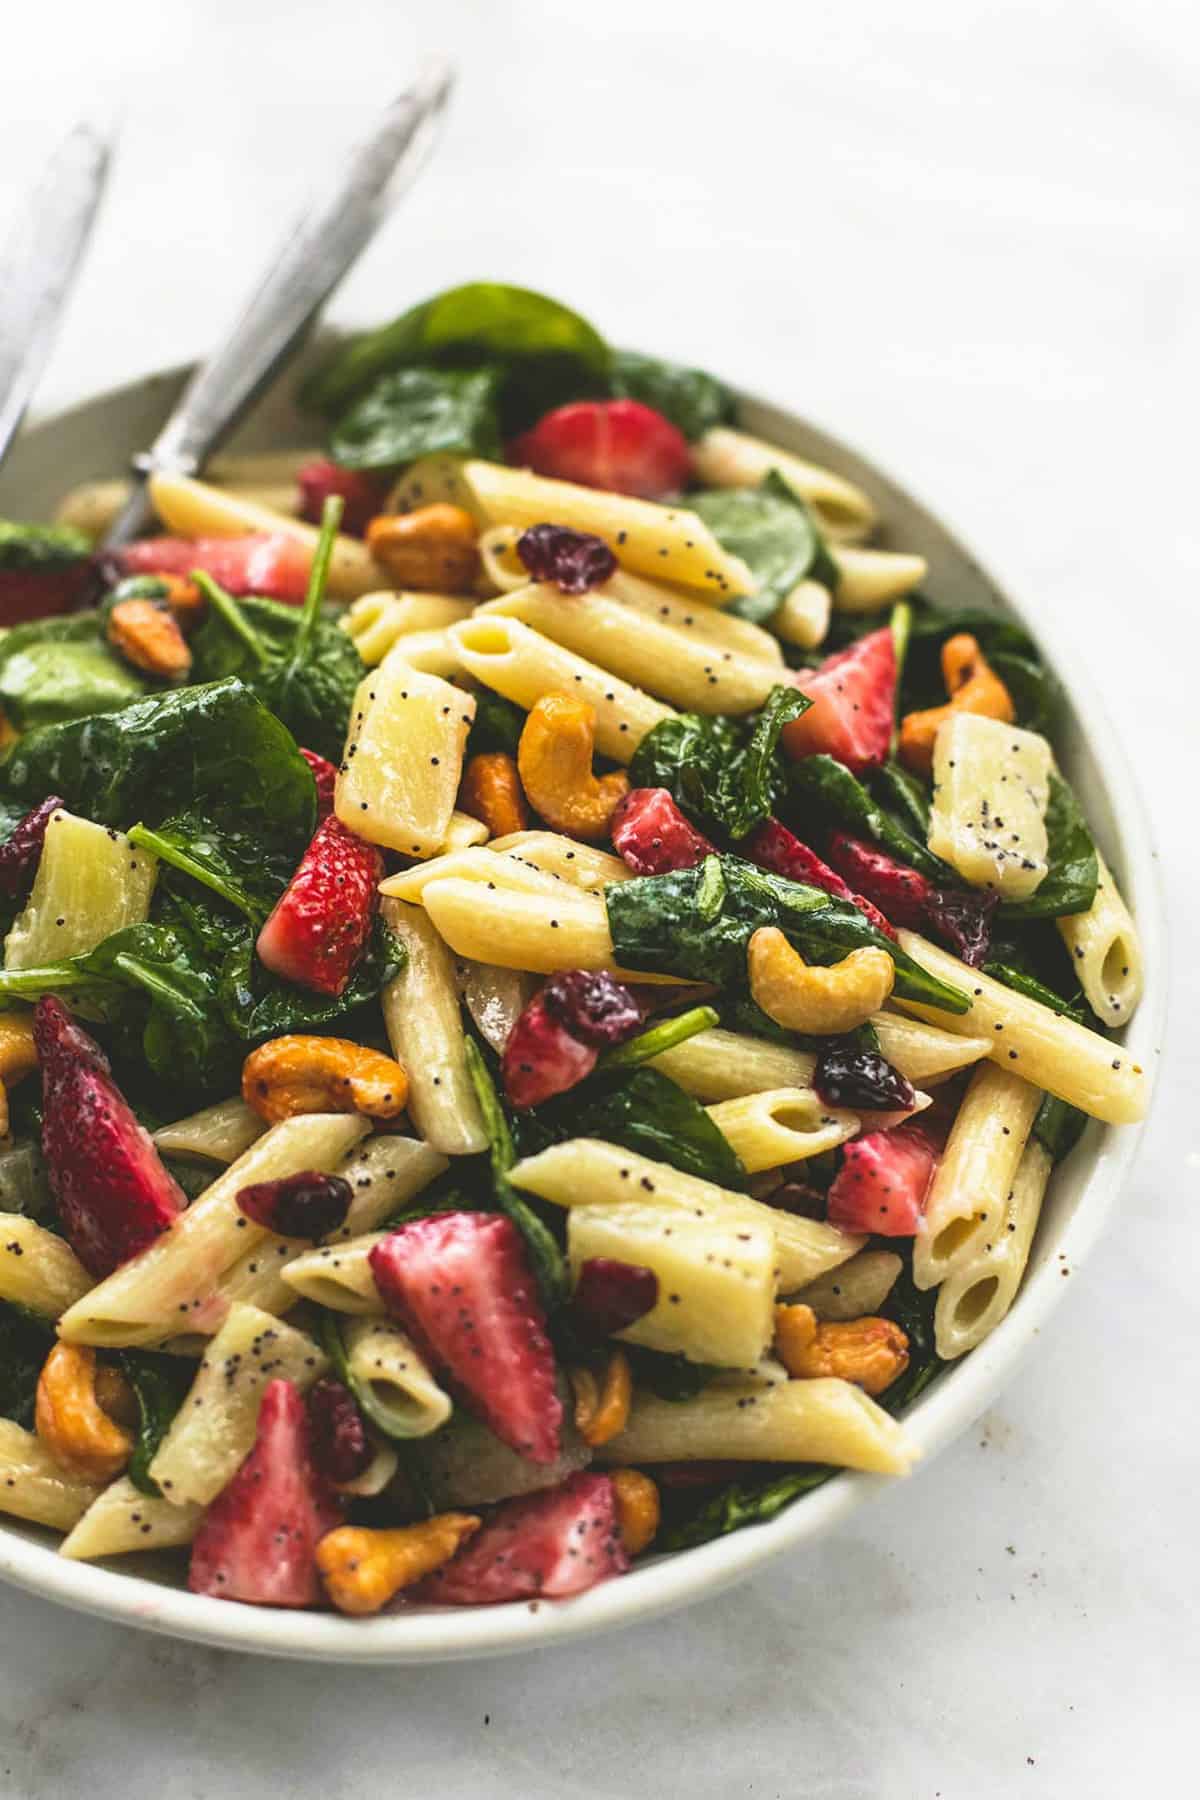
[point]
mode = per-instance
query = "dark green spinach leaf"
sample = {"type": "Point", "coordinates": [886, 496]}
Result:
{"type": "Point", "coordinates": [545, 1253]}
{"type": "Point", "coordinates": [1070, 882]}
{"type": "Point", "coordinates": [742, 1503]}
{"type": "Point", "coordinates": [825, 792]}
{"type": "Point", "coordinates": [725, 773]}
{"type": "Point", "coordinates": [498, 724]}
{"type": "Point", "coordinates": [258, 1005]}
{"type": "Point", "coordinates": [643, 1111]}
{"type": "Point", "coordinates": [61, 668]}
{"type": "Point", "coordinates": [416, 412]}
{"type": "Point", "coordinates": [160, 1385]}
{"type": "Point", "coordinates": [774, 533]}
{"type": "Point", "coordinates": [912, 1309]}
{"type": "Point", "coordinates": [691, 399]}
{"type": "Point", "coordinates": [25, 1343]}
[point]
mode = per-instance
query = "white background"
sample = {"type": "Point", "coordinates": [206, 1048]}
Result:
{"type": "Point", "coordinates": [966, 237]}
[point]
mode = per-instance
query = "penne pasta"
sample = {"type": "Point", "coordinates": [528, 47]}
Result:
{"type": "Point", "coordinates": [404, 754]}
{"type": "Point", "coordinates": [375, 621]}
{"type": "Point", "coordinates": [987, 819]}
{"type": "Point", "coordinates": [536, 932]}
{"type": "Point", "coordinates": [970, 1188]}
{"type": "Point", "coordinates": [977, 1294]}
{"type": "Point", "coordinates": [423, 1016]}
{"type": "Point", "coordinates": [221, 1132]}
{"type": "Point", "coordinates": [523, 665]}
{"type": "Point", "coordinates": [463, 832]}
{"type": "Point", "coordinates": [855, 1290]}
{"type": "Point", "coordinates": [925, 1053]}
{"type": "Point", "coordinates": [478, 863]}
{"type": "Point", "coordinates": [869, 579]}
{"type": "Point", "coordinates": [90, 882]}
{"type": "Point", "coordinates": [781, 1125]}
{"type": "Point", "coordinates": [823, 1421]}
{"type": "Point", "coordinates": [338, 1276]}
{"type": "Point", "coordinates": [123, 1519]}
{"type": "Point", "coordinates": [727, 458]}
{"type": "Point", "coordinates": [704, 624]}
{"type": "Point", "coordinates": [396, 1389]}
{"type": "Point", "coordinates": [503, 569]}
{"type": "Point", "coordinates": [802, 617]}
{"type": "Point", "coordinates": [664, 541]}
{"type": "Point", "coordinates": [35, 1486]}
{"type": "Point", "coordinates": [494, 997]}
{"type": "Point", "coordinates": [581, 864]}
{"type": "Point", "coordinates": [1046, 1048]}
{"type": "Point", "coordinates": [430, 652]}
{"type": "Point", "coordinates": [1106, 952]}
{"type": "Point", "coordinates": [38, 1269]}
{"type": "Point", "coordinates": [720, 1065]}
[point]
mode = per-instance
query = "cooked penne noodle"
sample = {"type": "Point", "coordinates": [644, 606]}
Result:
{"type": "Point", "coordinates": [494, 997]}
{"type": "Point", "coordinates": [423, 1016]}
{"type": "Point", "coordinates": [404, 756]}
{"type": "Point", "coordinates": [35, 1486]}
{"type": "Point", "coordinates": [975, 1296]}
{"type": "Point", "coordinates": [464, 832]}
{"type": "Point", "coordinates": [970, 1188]}
{"type": "Point", "coordinates": [221, 1132]}
{"type": "Point", "coordinates": [502, 567]}
{"type": "Point", "coordinates": [171, 1285]}
{"type": "Point", "coordinates": [587, 1170]}
{"type": "Point", "coordinates": [429, 652]}
{"type": "Point", "coordinates": [403, 1399]}
{"type": "Point", "coordinates": [1106, 952]}
{"type": "Point", "coordinates": [781, 1125]}
{"type": "Point", "coordinates": [924, 1053]}
{"type": "Point", "coordinates": [643, 650]}
{"type": "Point", "coordinates": [38, 1269]}
{"type": "Point", "coordinates": [523, 665]}
{"type": "Point", "coordinates": [726, 458]}
{"type": "Point", "coordinates": [90, 882]}
{"type": "Point", "coordinates": [338, 1276]}
{"type": "Point", "coordinates": [375, 621]}
{"type": "Point", "coordinates": [537, 932]}
{"type": "Point", "coordinates": [378, 1475]}
{"type": "Point", "coordinates": [856, 1290]}
{"type": "Point", "coordinates": [480, 863]}
{"type": "Point", "coordinates": [869, 579]}
{"type": "Point", "coordinates": [980, 766]}
{"type": "Point", "coordinates": [260, 468]}
{"type": "Point", "coordinates": [581, 864]}
{"type": "Point", "coordinates": [195, 509]}
{"type": "Point", "coordinates": [824, 1421]}
{"type": "Point", "coordinates": [721, 1065]}
{"type": "Point", "coordinates": [213, 1431]}
{"type": "Point", "coordinates": [92, 507]}
{"type": "Point", "coordinates": [1046, 1048]}
{"type": "Point", "coordinates": [802, 617]}
{"type": "Point", "coordinates": [664, 541]}
{"type": "Point", "coordinates": [123, 1519]}
{"type": "Point", "coordinates": [705, 624]}
{"type": "Point", "coordinates": [433, 479]}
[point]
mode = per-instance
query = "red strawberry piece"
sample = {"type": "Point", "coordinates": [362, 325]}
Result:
{"type": "Point", "coordinates": [462, 1284]}
{"type": "Point", "coordinates": [37, 593]}
{"type": "Point", "coordinates": [853, 696]}
{"type": "Point", "coordinates": [555, 1543]}
{"type": "Point", "coordinates": [902, 893]}
{"type": "Point", "coordinates": [340, 1446]}
{"type": "Point", "coordinates": [325, 776]}
{"type": "Point", "coordinates": [362, 494]}
{"type": "Point", "coordinates": [271, 563]}
{"type": "Point", "coordinates": [323, 918]}
{"type": "Point", "coordinates": [22, 849]}
{"type": "Point", "coordinates": [653, 836]}
{"type": "Point", "coordinates": [574, 560]}
{"type": "Point", "coordinates": [772, 846]}
{"type": "Point", "coordinates": [610, 1295]}
{"type": "Point", "coordinates": [113, 1194]}
{"type": "Point", "coordinates": [883, 1182]}
{"type": "Point", "coordinates": [258, 1540]}
{"type": "Point", "coordinates": [617, 444]}
{"type": "Point", "coordinates": [542, 1057]}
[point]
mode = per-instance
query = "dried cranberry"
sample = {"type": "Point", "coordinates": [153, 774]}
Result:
{"type": "Point", "coordinates": [339, 1443]}
{"type": "Point", "coordinates": [20, 854]}
{"type": "Point", "coordinates": [594, 1007]}
{"type": "Point", "coordinates": [574, 560]}
{"type": "Point", "coordinates": [307, 1205]}
{"type": "Point", "coordinates": [653, 836]}
{"type": "Point", "coordinates": [962, 919]}
{"type": "Point", "coordinates": [862, 1080]}
{"type": "Point", "coordinates": [798, 1198]}
{"type": "Point", "coordinates": [609, 1295]}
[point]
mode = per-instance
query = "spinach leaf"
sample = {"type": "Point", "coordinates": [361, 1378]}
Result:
{"type": "Point", "coordinates": [692, 400]}
{"type": "Point", "coordinates": [214, 747]}
{"type": "Point", "coordinates": [415, 412]}
{"type": "Point", "coordinates": [922, 683]}
{"type": "Point", "coordinates": [1036, 690]}
{"type": "Point", "coordinates": [912, 1310]}
{"type": "Point", "coordinates": [1070, 882]}
{"type": "Point", "coordinates": [697, 923]}
{"type": "Point", "coordinates": [246, 869]}
{"type": "Point", "coordinates": [545, 1253]}
{"type": "Point", "coordinates": [657, 1038]}
{"type": "Point", "coordinates": [160, 1385]}
{"type": "Point", "coordinates": [644, 1111]}
{"type": "Point", "coordinates": [724, 772]}
{"type": "Point", "coordinates": [906, 796]}
{"type": "Point", "coordinates": [773, 531]}
{"type": "Point", "coordinates": [61, 668]}
{"type": "Point", "coordinates": [258, 1005]}
{"type": "Point", "coordinates": [40, 546]}
{"type": "Point", "coordinates": [827, 792]}
{"type": "Point", "coordinates": [24, 1185]}
{"type": "Point", "coordinates": [498, 724]}
{"type": "Point", "coordinates": [669, 1376]}
{"type": "Point", "coordinates": [25, 1342]}
{"type": "Point", "coordinates": [742, 1503]}
{"type": "Point", "coordinates": [547, 352]}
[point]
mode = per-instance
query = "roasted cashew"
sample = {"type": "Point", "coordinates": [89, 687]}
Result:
{"type": "Point", "coordinates": [491, 790]}
{"type": "Point", "coordinates": [147, 634]}
{"type": "Point", "coordinates": [806, 997]}
{"type": "Point", "coordinates": [70, 1420]}
{"type": "Point", "coordinates": [555, 761]}
{"type": "Point", "coordinates": [869, 1352]}
{"type": "Point", "coordinates": [292, 1075]}
{"type": "Point", "coordinates": [18, 1057]}
{"type": "Point", "coordinates": [638, 1508]}
{"type": "Point", "coordinates": [602, 1407]}
{"type": "Point", "coordinates": [363, 1569]}
{"type": "Point", "coordinates": [973, 686]}
{"type": "Point", "coordinates": [434, 548]}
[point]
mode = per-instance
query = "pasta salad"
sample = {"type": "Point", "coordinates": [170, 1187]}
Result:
{"type": "Point", "coordinates": [544, 983]}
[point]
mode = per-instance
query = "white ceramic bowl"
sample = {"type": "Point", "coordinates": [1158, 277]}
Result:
{"type": "Point", "coordinates": [96, 439]}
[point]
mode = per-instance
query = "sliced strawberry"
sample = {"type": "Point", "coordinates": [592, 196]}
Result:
{"type": "Point", "coordinates": [113, 1193]}
{"type": "Point", "coordinates": [853, 698]}
{"type": "Point", "coordinates": [772, 846]}
{"type": "Point", "coordinates": [617, 444]}
{"type": "Point", "coordinates": [555, 1543]}
{"type": "Point", "coordinates": [325, 776]}
{"type": "Point", "coordinates": [653, 836]}
{"type": "Point", "coordinates": [542, 1058]}
{"type": "Point", "coordinates": [959, 918]}
{"type": "Point", "coordinates": [462, 1283]}
{"type": "Point", "coordinates": [257, 1541]}
{"type": "Point", "coordinates": [271, 563]}
{"type": "Point", "coordinates": [362, 494]}
{"type": "Point", "coordinates": [883, 1182]}
{"type": "Point", "coordinates": [323, 918]}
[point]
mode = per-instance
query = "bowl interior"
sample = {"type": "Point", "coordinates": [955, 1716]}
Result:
{"type": "Point", "coordinates": [96, 440]}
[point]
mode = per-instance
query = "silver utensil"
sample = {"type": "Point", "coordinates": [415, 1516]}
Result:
{"type": "Point", "coordinates": [40, 261]}
{"type": "Point", "coordinates": [315, 254]}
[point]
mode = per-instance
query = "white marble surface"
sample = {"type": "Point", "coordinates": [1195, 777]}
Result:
{"type": "Point", "coordinates": [965, 235]}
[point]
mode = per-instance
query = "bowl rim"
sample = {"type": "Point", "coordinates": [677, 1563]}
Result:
{"type": "Point", "coordinates": [940, 1415]}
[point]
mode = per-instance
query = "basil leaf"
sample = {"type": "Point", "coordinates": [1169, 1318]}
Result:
{"type": "Point", "coordinates": [1069, 885]}
{"type": "Point", "coordinates": [690, 399]}
{"type": "Point", "coordinates": [774, 533]}
{"type": "Point", "coordinates": [415, 412]}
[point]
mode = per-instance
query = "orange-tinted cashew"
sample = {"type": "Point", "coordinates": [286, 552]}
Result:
{"type": "Point", "coordinates": [491, 790]}
{"type": "Point", "coordinates": [363, 1568]}
{"type": "Point", "coordinates": [638, 1509]}
{"type": "Point", "coordinates": [869, 1352]}
{"type": "Point", "coordinates": [809, 997]}
{"type": "Point", "coordinates": [147, 634]}
{"type": "Point", "coordinates": [602, 1407]}
{"type": "Point", "coordinates": [70, 1420]}
{"type": "Point", "coordinates": [973, 686]}
{"type": "Point", "coordinates": [434, 549]}
{"type": "Point", "coordinates": [555, 761]}
{"type": "Point", "coordinates": [292, 1075]}
{"type": "Point", "coordinates": [18, 1057]}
